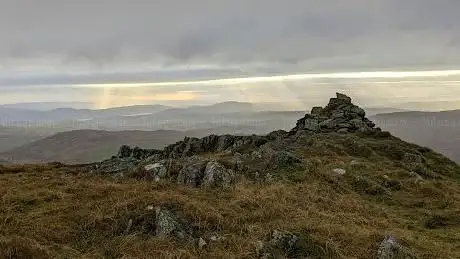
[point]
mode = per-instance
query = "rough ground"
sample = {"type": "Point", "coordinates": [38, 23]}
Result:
{"type": "Point", "coordinates": [333, 187]}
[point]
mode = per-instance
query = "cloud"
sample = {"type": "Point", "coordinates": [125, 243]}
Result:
{"type": "Point", "coordinates": [50, 47]}
{"type": "Point", "coordinates": [300, 34]}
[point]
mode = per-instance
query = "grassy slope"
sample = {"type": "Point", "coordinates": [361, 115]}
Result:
{"type": "Point", "coordinates": [51, 212]}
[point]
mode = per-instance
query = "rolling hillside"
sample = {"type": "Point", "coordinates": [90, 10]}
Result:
{"type": "Point", "coordinates": [84, 146]}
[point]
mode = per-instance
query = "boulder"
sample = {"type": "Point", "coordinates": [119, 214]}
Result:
{"type": "Point", "coordinates": [125, 151]}
{"type": "Point", "coordinates": [192, 172]}
{"type": "Point", "coordinates": [316, 110]}
{"type": "Point", "coordinates": [116, 166]}
{"type": "Point", "coordinates": [156, 171]}
{"type": "Point", "coordinates": [339, 171]}
{"type": "Point", "coordinates": [312, 125]}
{"type": "Point", "coordinates": [216, 175]}
{"type": "Point", "coordinates": [168, 224]}
{"type": "Point", "coordinates": [390, 249]}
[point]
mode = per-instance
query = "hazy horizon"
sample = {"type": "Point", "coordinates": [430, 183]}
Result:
{"type": "Point", "coordinates": [119, 53]}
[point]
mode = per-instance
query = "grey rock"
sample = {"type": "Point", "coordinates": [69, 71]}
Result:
{"type": "Point", "coordinates": [201, 243]}
{"type": "Point", "coordinates": [312, 125]}
{"type": "Point", "coordinates": [225, 142]}
{"type": "Point", "coordinates": [156, 171]}
{"type": "Point", "coordinates": [342, 130]}
{"type": "Point", "coordinates": [216, 175]}
{"type": "Point", "coordinates": [339, 171]}
{"type": "Point", "coordinates": [129, 226]}
{"type": "Point", "coordinates": [117, 166]}
{"type": "Point", "coordinates": [125, 151]}
{"type": "Point", "coordinates": [316, 110]}
{"type": "Point", "coordinates": [357, 123]}
{"type": "Point", "coordinates": [329, 124]}
{"type": "Point", "coordinates": [343, 98]}
{"type": "Point", "coordinates": [357, 110]}
{"type": "Point", "coordinates": [391, 249]}
{"type": "Point", "coordinates": [167, 224]}
{"type": "Point", "coordinates": [192, 172]}
{"type": "Point", "coordinates": [337, 114]}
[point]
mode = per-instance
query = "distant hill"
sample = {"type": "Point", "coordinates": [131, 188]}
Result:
{"type": "Point", "coordinates": [83, 146]}
{"type": "Point", "coordinates": [12, 137]}
{"type": "Point", "coordinates": [19, 115]}
{"type": "Point", "coordinates": [375, 111]}
{"type": "Point", "coordinates": [437, 130]}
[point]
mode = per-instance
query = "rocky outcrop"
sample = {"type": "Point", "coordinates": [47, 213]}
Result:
{"type": "Point", "coordinates": [192, 171]}
{"type": "Point", "coordinates": [340, 115]}
{"type": "Point", "coordinates": [216, 175]}
{"type": "Point", "coordinates": [116, 166]}
{"type": "Point", "coordinates": [213, 143]}
{"type": "Point", "coordinates": [126, 151]}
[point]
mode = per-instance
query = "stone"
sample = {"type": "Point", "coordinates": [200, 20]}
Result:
{"type": "Point", "coordinates": [192, 172]}
{"type": "Point", "coordinates": [167, 224]}
{"type": "Point", "coordinates": [390, 249]}
{"type": "Point", "coordinates": [343, 97]}
{"type": "Point", "coordinates": [355, 163]}
{"type": "Point", "coordinates": [343, 130]}
{"type": "Point", "coordinates": [117, 166]}
{"type": "Point", "coordinates": [156, 171]}
{"type": "Point", "coordinates": [339, 171]}
{"type": "Point", "coordinates": [316, 110]}
{"type": "Point", "coordinates": [337, 114]}
{"type": "Point", "coordinates": [312, 125]}
{"type": "Point", "coordinates": [217, 176]}
{"type": "Point", "coordinates": [129, 226]}
{"type": "Point", "coordinates": [125, 151]}
{"type": "Point", "coordinates": [201, 243]}
{"type": "Point", "coordinates": [225, 142]}
{"type": "Point", "coordinates": [357, 110]}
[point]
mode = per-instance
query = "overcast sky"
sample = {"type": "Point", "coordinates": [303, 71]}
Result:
{"type": "Point", "coordinates": [62, 44]}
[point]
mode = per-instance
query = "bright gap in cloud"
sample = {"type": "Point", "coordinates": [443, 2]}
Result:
{"type": "Point", "coordinates": [295, 77]}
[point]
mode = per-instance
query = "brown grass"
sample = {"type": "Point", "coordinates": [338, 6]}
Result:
{"type": "Point", "coordinates": [48, 213]}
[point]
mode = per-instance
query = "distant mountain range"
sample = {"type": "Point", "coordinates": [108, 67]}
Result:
{"type": "Point", "coordinates": [29, 135]}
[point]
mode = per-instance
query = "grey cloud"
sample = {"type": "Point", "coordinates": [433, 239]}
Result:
{"type": "Point", "coordinates": [296, 34]}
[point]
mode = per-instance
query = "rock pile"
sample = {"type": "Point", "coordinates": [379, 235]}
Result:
{"type": "Point", "coordinates": [340, 115]}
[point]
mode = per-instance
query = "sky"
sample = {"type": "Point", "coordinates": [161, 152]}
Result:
{"type": "Point", "coordinates": [117, 52]}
